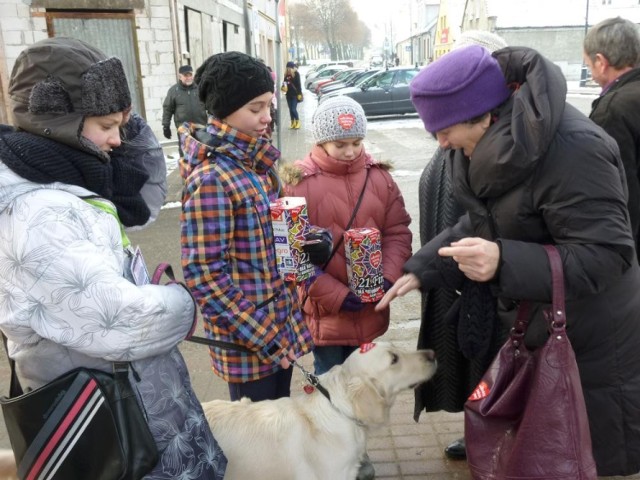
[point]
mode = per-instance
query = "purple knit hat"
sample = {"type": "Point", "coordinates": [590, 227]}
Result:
{"type": "Point", "coordinates": [459, 86]}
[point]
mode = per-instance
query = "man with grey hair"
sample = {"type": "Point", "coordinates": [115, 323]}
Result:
{"type": "Point", "coordinates": [612, 53]}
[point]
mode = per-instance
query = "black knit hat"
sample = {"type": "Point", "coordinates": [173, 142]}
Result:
{"type": "Point", "coordinates": [229, 80]}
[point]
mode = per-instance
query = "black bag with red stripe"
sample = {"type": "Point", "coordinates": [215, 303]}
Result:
{"type": "Point", "coordinates": [84, 424]}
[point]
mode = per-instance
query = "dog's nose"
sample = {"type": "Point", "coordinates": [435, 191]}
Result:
{"type": "Point", "coordinates": [429, 354]}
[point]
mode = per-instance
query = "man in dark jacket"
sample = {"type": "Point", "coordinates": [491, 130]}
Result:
{"type": "Point", "coordinates": [182, 102]}
{"type": "Point", "coordinates": [612, 53]}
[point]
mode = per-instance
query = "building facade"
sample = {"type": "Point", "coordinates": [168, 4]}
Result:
{"type": "Point", "coordinates": [151, 37]}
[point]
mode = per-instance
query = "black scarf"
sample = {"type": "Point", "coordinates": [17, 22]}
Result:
{"type": "Point", "coordinates": [475, 312]}
{"type": "Point", "coordinates": [41, 160]}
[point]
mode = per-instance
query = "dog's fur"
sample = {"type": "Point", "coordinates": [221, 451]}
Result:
{"type": "Point", "coordinates": [8, 470]}
{"type": "Point", "coordinates": [308, 437]}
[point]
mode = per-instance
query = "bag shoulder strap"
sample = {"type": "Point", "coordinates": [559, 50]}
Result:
{"type": "Point", "coordinates": [557, 315]}
{"type": "Point", "coordinates": [15, 389]}
{"type": "Point", "coordinates": [350, 222]}
{"type": "Point", "coordinates": [557, 283]}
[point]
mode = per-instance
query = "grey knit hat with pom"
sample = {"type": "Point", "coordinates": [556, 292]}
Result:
{"type": "Point", "coordinates": [338, 118]}
{"type": "Point", "coordinates": [229, 80]}
{"type": "Point", "coordinates": [57, 82]}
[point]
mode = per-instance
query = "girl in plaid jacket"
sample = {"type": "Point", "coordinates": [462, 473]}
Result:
{"type": "Point", "coordinates": [228, 253]}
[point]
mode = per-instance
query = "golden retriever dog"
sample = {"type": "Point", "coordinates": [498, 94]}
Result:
{"type": "Point", "coordinates": [8, 468]}
{"type": "Point", "coordinates": [312, 437]}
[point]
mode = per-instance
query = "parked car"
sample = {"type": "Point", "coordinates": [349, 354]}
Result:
{"type": "Point", "coordinates": [324, 73]}
{"type": "Point", "coordinates": [352, 81]}
{"type": "Point", "coordinates": [340, 75]}
{"type": "Point", "coordinates": [376, 61]}
{"type": "Point", "coordinates": [322, 65]}
{"type": "Point", "coordinates": [385, 93]}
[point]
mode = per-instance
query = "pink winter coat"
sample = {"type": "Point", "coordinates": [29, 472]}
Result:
{"type": "Point", "coordinates": [332, 188]}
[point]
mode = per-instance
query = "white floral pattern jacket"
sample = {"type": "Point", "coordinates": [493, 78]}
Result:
{"type": "Point", "coordinates": [65, 303]}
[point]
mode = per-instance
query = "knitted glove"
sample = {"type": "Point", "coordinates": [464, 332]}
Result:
{"type": "Point", "coordinates": [318, 244]}
{"type": "Point", "coordinates": [167, 132]}
{"type": "Point", "coordinates": [352, 303]}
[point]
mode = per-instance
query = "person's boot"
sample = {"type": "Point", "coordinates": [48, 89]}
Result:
{"type": "Point", "coordinates": [293, 124]}
{"type": "Point", "coordinates": [456, 450]}
{"type": "Point", "coordinates": [297, 124]}
{"type": "Point", "coordinates": [366, 470]}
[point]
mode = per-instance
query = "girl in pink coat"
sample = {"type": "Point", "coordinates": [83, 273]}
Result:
{"type": "Point", "coordinates": [332, 178]}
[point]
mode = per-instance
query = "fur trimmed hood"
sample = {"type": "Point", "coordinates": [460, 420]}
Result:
{"type": "Point", "coordinates": [293, 173]}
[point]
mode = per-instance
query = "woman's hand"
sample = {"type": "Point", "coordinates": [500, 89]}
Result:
{"type": "Point", "coordinates": [477, 258]}
{"type": "Point", "coordinates": [404, 285]}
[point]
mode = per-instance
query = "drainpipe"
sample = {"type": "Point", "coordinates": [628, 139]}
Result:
{"type": "Point", "coordinates": [175, 34]}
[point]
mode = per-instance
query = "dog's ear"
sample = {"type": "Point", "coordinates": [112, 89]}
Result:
{"type": "Point", "coordinates": [370, 405]}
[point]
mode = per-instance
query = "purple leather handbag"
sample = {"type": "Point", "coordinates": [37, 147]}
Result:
{"type": "Point", "coordinates": [527, 417]}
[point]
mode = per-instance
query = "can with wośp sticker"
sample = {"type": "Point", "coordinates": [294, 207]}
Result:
{"type": "Point", "coordinates": [363, 252]}
{"type": "Point", "coordinates": [290, 224]}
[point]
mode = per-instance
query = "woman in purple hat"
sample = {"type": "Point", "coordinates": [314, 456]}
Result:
{"type": "Point", "coordinates": [531, 170]}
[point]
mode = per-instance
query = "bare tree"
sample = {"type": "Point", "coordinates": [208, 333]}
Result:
{"type": "Point", "coordinates": [332, 22]}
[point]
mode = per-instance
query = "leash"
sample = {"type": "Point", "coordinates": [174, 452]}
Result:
{"type": "Point", "coordinates": [314, 381]}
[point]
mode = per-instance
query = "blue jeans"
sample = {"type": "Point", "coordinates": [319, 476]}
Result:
{"type": "Point", "coordinates": [292, 103]}
{"type": "Point", "coordinates": [326, 357]}
{"type": "Point", "coordinates": [272, 387]}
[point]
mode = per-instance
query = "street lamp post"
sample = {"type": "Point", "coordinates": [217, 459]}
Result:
{"type": "Point", "coordinates": [278, 76]}
{"type": "Point", "coordinates": [584, 70]}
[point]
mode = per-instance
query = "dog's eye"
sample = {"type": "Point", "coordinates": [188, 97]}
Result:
{"type": "Point", "coordinates": [394, 358]}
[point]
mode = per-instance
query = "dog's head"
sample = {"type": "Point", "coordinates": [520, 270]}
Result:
{"type": "Point", "coordinates": [376, 373]}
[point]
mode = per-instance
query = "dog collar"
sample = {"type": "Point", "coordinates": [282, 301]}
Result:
{"type": "Point", "coordinates": [314, 382]}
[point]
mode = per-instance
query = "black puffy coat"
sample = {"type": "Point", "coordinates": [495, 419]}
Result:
{"type": "Point", "coordinates": [618, 112]}
{"type": "Point", "coordinates": [543, 173]}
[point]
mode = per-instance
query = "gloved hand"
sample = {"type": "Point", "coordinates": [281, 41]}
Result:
{"type": "Point", "coordinates": [318, 244]}
{"type": "Point", "coordinates": [352, 303]}
{"type": "Point", "coordinates": [387, 285]}
{"type": "Point", "coordinates": [167, 132]}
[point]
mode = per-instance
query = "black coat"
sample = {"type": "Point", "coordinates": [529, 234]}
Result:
{"type": "Point", "coordinates": [457, 376]}
{"type": "Point", "coordinates": [618, 112]}
{"type": "Point", "coordinates": [543, 173]}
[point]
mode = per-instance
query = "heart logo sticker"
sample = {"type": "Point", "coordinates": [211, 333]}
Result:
{"type": "Point", "coordinates": [346, 120]}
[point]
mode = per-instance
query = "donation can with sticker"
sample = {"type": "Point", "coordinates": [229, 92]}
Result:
{"type": "Point", "coordinates": [290, 224]}
{"type": "Point", "coordinates": [363, 252]}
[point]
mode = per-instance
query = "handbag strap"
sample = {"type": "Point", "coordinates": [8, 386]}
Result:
{"type": "Point", "coordinates": [556, 317]}
{"type": "Point", "coordinates": [341, 239]}
{"type": "Point", "coordinates": [15, 389]}
{"type": "Point", "coordinates": [557, 283]}
{"type": "Point", "coordinates": [350, 222]}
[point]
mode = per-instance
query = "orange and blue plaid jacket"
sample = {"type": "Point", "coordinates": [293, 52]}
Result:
{"type": "Point", "coordinates": [228, 253]}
